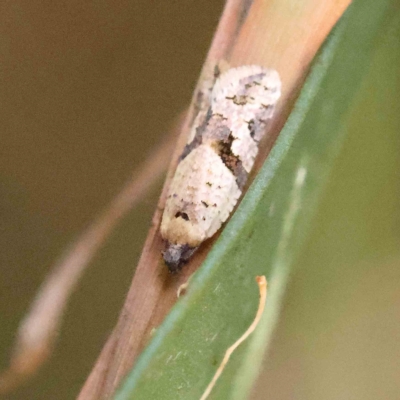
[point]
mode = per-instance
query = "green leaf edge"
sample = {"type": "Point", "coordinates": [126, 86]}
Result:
{"type": "Point", "coordinates": [319, 70]}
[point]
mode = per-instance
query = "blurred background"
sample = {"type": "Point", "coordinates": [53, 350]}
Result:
{"type": "Point", "coordinates": [87, 90]}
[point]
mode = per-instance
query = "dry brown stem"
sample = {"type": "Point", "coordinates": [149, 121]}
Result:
{"type": "Point", "coordinates": [37, 331]}
{"type": "Point", "coordinates": [282, 34]}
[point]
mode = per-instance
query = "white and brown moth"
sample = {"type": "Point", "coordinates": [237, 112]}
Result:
{"type": "Point", "coordinates": [215, 163]}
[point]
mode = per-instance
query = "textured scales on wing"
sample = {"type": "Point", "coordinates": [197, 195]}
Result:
{"type": "Point", "coordinates": [201, 197]}
{"type": "Point", "coordinates": [214, 166]}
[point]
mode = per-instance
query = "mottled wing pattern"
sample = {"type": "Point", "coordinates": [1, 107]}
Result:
{"type": "Point", "coordinates": [215, 163]}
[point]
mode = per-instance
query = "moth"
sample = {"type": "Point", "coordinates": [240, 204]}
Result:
{"type": "Point", "coordinates": [217, 159]}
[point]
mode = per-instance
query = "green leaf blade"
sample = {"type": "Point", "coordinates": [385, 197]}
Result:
{"type": "Point", "coordinates": [265, 234]}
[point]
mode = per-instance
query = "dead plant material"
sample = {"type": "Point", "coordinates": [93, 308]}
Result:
{"type": "Point", "coordinates": [37, 332]}
{"type": "Point", "coordinates": [283, 35]}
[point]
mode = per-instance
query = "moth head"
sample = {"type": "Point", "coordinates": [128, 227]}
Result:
{"type": "Point", "coordinates": [177, 255]}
